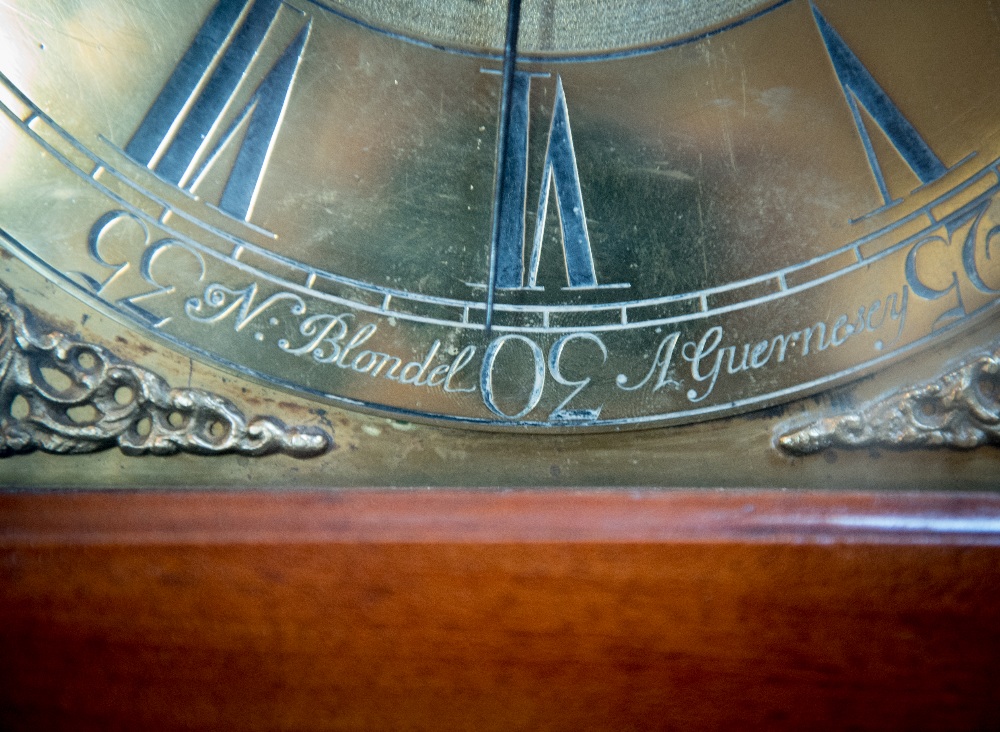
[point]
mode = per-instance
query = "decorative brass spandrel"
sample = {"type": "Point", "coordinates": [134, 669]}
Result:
{"type": "Point", "coordinates": [959, 409]}
{"type": "Point", "coordinates": [66, 396]}
{"type": "Point", "coordinates": [710, 214]}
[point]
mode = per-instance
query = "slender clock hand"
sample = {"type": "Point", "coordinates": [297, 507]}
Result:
{"type": "Point", "coordinates": [500, 187]}
{"type": "Point", "coordinates": [770, 202]}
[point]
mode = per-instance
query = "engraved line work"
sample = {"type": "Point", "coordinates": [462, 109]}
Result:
{"type": "Point", "coordinates": [875, 316]}
{"type": "Point", "coordinates": [559, 170]}
{"type": "Point", "coordinates": [228, 241]}
{"type": "Point", "coordinates": [561, 415]}
{"type": "Point", "coordinates": [62, 395]}
{"type": "Point", "coordinates": [850, 73]}
{"type": "Point", "coordinates": [336, 340]}
{"type": "Point", "coordinates": [134, 276]}
{"type": "Point", "coordinates": [176, 131]}
{"type": "Point", "coordinates": [711, 357]}
{"type": "Point", "coordinates": [328, 339]}
{"type": "Point", "coordinates": [503, 190]}
{"type": "Point", "coordinates": [336, 10]}
{"type": "Point", "coordinates": [959, 409]}
{"type": "Point", "coordinates": [778, 276]}
{"type": "Point", "coordinates": [860, 86]}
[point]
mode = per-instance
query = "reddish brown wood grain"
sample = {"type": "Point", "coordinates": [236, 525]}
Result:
{"type": "Point", "coordinates": [499, 611]}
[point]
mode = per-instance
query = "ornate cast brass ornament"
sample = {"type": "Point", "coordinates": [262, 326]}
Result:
{"type": "Point", "coordinates": [62, 395]}
{"type": "Point", "coordinates": [959, 409]}
{"type": "Point", "coordinates": [445, 226]}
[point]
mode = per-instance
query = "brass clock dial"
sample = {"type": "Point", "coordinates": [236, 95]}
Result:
{"type": "Point", "coordinates": [540, 215]}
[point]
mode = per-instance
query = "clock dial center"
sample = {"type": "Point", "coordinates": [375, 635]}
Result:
{"type": "Point", "coordinates": [549, 26]}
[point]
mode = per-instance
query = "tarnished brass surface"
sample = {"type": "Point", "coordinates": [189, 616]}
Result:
{"type": "Point", "coordinates": [548, 26]}
{"type": "Point", "coordinates": [67, 396]}
{"type": "Point", "coordinates": [361, 216]}
{"type": "Point", "coordinates": [960, 408]}
{"type": "Point", "coordinates": [373, 451]}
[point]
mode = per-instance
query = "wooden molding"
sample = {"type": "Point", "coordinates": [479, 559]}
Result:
{"type": "Point", "coordinates": [515, 610]}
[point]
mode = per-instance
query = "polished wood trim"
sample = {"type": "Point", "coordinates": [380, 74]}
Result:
{"type": "Point", "coordinates": [499, 611]}
{"type": "Point", "coordinates": [214, 517]}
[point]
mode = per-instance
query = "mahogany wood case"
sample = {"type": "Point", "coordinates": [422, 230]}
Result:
{"type": "Point", "coordinates": [514, 610]}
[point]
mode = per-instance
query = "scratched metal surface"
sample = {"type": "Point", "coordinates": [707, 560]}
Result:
{"type": "Point", "coordinates": [323, 209]}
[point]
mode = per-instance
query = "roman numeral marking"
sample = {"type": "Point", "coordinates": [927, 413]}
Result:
{"type": "Point", "coordinates": [860, 87]}
{"type": "Point", "coordinates": [179, 137]}
{"type": "Point", "coordinates": [559, 171]}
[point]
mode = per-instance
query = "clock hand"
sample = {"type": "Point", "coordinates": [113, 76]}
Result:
{"type": "Point", "coordinates": [500, 186]}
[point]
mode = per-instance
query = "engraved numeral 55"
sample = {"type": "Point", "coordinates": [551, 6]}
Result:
{"type": "Point", "coordinates": [156, 261]}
